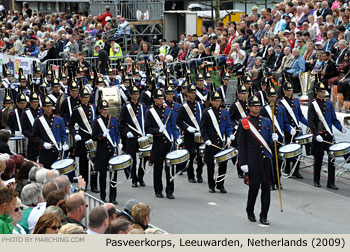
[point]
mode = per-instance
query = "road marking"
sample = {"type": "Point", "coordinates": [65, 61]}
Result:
{"type": "Point", "coordinates": [212, 203]}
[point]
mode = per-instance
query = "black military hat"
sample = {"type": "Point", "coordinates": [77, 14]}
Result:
{"type": "Point", "coordinates": [242, 89]}
{"type": "Point", "coordinates": [184, 84]}
{"type": "Point", "coordinates": [271, 91]}
{"type": "Point", "coordinates": [199, 77]}
{"type": "Point", "coordinates": [33, 97]}
{"type": "Point", "coordinates": [104, 104]}
{"type": "Point", "coordinates": [73, 86]}
{"type": "Point", "coordinates": [246, 79]}
{"type": "Point", "coordinates": [215, 96]}
{"type": "Point", "coordinates": [48, 71]}
{"type": "Point", "coordinates": [110, 69]}
{"type": "Point", "coordinates": [91, 76]}
{"type": "Point", "coordinates": [47, 102]}
{"type": "Point", "coordinates": [62, 74]}
{"type": "Point", "coordinates": [264, 81]}
{"type": "Point", "coordinates": [169, 90]}
{"type": "Point", "coordinates": [80, 70]}
{"type": "Point", "coordinates": [21, 76]}
{"type": "Point", "coordinates": [21, 98]}
{"type": "Point", "coordinates": [158, 93]}
{"type": "Point", "coordinates": [5, 71]}
{"type": "Point", "coordinates": [319, 86]}
{"type": "Point", "coordinates": [84, 92]}
{"type": "Point", "coordinates": [7, 99]}
{"type": "Point", "coordinates": [287, 86]}
{"type": "Point", "coordinates": [226, 76]}
{"type": "Point", "coordinates": [36, 68]}
{"type": "Point", "coordinates": [254, 101]}
{"type": "Point", "coordinates": [55, 83]}
{"type": "Point", "coordinates": [134, 90]}
{"type": "Point", "coordinates": [126, 78]}
{"type": "Point", "coordinates": [191, 88]}
{"type": "Point", "coordinates": [100, 80]}
{"type": "Point", "coordinates": [207, 75]}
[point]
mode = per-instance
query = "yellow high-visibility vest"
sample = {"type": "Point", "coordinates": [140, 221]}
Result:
{"type": "Point", "coordinates": [99, 42]}
{"type": "Point", "coordinates": [118, 54]}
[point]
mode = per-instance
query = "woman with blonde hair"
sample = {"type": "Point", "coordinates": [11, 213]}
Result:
{"type": "Point", "coordinates": [48, 224]}
{"type": "Point", "coordinates": [71, 228]}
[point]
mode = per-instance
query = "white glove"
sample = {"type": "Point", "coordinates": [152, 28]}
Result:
{"type": "Point", "coordinates": [343, 131]}
{"type": "Point", "coordinates": [130, 135]}
{"type": "Point", "coordinates": [47, 146]}
{"type": "Point", "coordinates": [208, 142]}
{"type": "Point", "coordinates": [65, 147]}
{"type": "Point", "coordinates": [162, 129]}
{"type": "Point", "coordinates": [293, 132]}
{"type": "Point", "coordinates": [244, 168]}
{"type": "Point", "coordinates": [179, 141]}
{"type": "Point", "coordinates": [319, 138]}
{"type": "Point", "coordinates": [274, 136]}
{"type": "Point", "coordinates": [236, 127]}
{"type": "Point", "coordinates": [18, 133]}
{"type": "Point", "coordinates": [77, 137]}
{"type": "Point", "coordinates": [191, 129]}
{"type": "Point", "coordinates": [120, 146]}
{"type": "Point", "coordinates": [105, 133]}
{"type": "Point", "coordinates": [232, 137]}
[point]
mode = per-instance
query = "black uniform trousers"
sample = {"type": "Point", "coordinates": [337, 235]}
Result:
{"type": "Point", "coordinates": [158, 153]}
{"type": "Point", "coordinates": [209, 159]}
{"type": "Point", "coordinates": [32, 150]}
{"type": "Point", "coordinates": [279, 162]}
{"type": "Point", "coordinates": [265, 194]}
{"type": "Point", "coordinates": [200, 164]}
{"type": "Point", "coordinates": [47, 157]}
{"type": "Point", "coordinates": [102, 167]}
{"type": "Point", "coordinates": [290, 162]}
{"type": "Point", "coordinates": [318, 152]}
{"type": "Point", "coordinates": [132, 147]}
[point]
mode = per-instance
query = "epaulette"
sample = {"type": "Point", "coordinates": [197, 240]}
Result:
{"type": "Point", "coordinates": [57, 116]}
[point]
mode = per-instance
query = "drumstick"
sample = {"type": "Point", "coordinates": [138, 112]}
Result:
{"type": "Point", "coordinates": [216, 146]}
{"type": "Point", "coordinates": [291, 141]}
{"type": "Point", "coordinates": [307, 130]}
{"type": "Point", "coordinates": [168, 117]}
{"type": "Point", "coordinates": [327, 142]}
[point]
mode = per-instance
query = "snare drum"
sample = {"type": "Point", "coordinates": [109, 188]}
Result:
{"type": "Point", "coordinates": [339, 149]}
{"type": "Point", "coordinates": [177, 157]}
{"type": "Point", "coordinates": [289, 151]}
{"type": "Point", "coordinates": [120, 162]}
{"type": "Point", "coordinates": [18, 144]}
{"type": "Point", "coordinates": [225, 155]}
{"type": "Point", "coordinates": [150, 138]}
{"type": "Point", "coordinates": [198, 138]}
{"type": "Point", "coordinates": [144, 142]}
{"type": "Point", "coordinates": [64, 166]}
{"type": "Point", "coordinates": [201, 149]}
{"type": "Point", "coordinates": [91, 148]}
{"type": "Point", "coordinates": [146, 152]}
{"type": "Point", "coordinates": [70, 138]}
{"type": "Point", "coordinates": [304, 139]}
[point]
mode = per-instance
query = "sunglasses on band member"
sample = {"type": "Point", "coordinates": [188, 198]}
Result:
{"type": "Point", "coordinates": [55, 227]}
{"type": "Point", "coordinates": [17, 209]}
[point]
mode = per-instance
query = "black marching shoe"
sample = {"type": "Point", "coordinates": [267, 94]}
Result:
{"type": "Point", "coordinates": [114, 202]}
{"type": "Point", "coordinates": [264, 221]}
{"type": "Point", "coordinates": [94, 190]}
{"type": "Point", "coordinates": [142, 183]}
{"type": "Point", "coordinates": [200, 179]}
{"type": "Point", "coordinates": [298, 175]}
{"type": "Point", "coordinates": [212, 190]}
{"type": "Point", "coordinates": [191, 180]}
{"type": "Point", "coordinates": [103, 199]}
{"type": "Point", "coordinates": [251, 217]}
{"type": "Point", "coordinates": [273, 188]}
{"type": "Point", "coordinates": [221, 189]}
{"type": "Point", "coordinates": [317, 184]}
{"type": "Point", "coordinates": [334, 187]}
{"type": "Point", "coordinates": [134, 184]}
{"type": "Point", "coordinates": [159, 195]}
{"type": "Point", "coordinates": [170, 196]}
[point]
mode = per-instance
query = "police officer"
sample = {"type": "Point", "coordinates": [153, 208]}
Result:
{"type": "Point", "coordinates": [321, 116]}
{"type": "Point", "coordinates": [281, 125]}
{"type": "Point", "coordinates": [49, 133]}
{"type": "Point", "coordinates": [254, 139]}
{"type": "Point", "coordinates": [15, 118]}
{"type": "Point", "coordinates": [28, 118]}
{"type": "Point", "coordinates": [161, 123]}
{"type": "Point", "coordinates": [105, 131]}
{"type": "Point", "coordinates": [295, 117]}
{"type": "Point", "coordinates": [132, 124]}
{"type": "Point", "coordinates": [70, 102]}
{"type": "Point", "coordinates": [188, 120]}
{"type": "Point", "coordinates": [83, 115]}
{"type": "Point", "coordinates": [215, 124]}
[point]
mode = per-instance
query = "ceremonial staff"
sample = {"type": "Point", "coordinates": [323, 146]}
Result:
{"type": "Point", "coordinates": [275, 146]}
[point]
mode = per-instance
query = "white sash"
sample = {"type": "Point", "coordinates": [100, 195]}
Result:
{"type": "Point", "coordinates": [53, 98]}
{"type": "Point", "coordinates": [148, 93]}
{"type": "Point", "coordinates": [48, 131]}
{"type": "Point", "coordinates": [262, 98]}
{"type": "Point", "coordinates": [125, 98]}
{"type": "Point", "coordinates": [6, 83]}
{"type": "Point", "coordinates": [215, 123]}
{"type": "Point", "coordinates": [30, 116]}
{"type": "Point", "coordinates": [181, 98]}
{"type": "Point", "coordinates": [190, 114]}
{"type": "Point", "coordinates": [321, 117]}
{"type": "Point", "coordinates": [69, 106]}
{"type": "Point", "coordinates": [200, 110]}
{"type": "Point", "coordinates": [85, 120]}
{"type": "Point", "coordinates": [290, 111]}
{"type": "Point", "coordinates": [268, 109]}
{"type": "Point", "coordinates": [134, 119]}
{"type": "Point", "coordinates": [223, 93]}
{"type": "Point", "coordinates": [240, 109]}
{"type": "Point", "coordinates": [160, 123]}
{"type": "Point", "coordinates": [203, 98]}
{"type": "Point", "coordinates": [18, 121]}
{"type": "Point", "coordinates": [259, 137]}
{"type": "Point", "coordinates": [103, 128]}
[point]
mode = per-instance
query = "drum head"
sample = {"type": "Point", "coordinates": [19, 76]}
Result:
{"type": "Point", "coordinates": [339, 146]}
{"type": "Point", "coordinates": [197, 134]}
{"type": "Point", "coordinates": [146, 149]}
{"type": "Point", "coordinates": [16, 138]}
{"type": "Point", "coordinates": [202, 147]}
{"type": "Point", "coordinates": [223, 152]}
{"type": "Point", "coordinates": [119, 159]}
{"type": "Point", "coordinates": [303, 137]}
{"type": "Point", "coordinates": [176, 154]}
{"type": "Point", "coordinates": [290, 148]}
{"type": "Point", "coordinates": [89, 141]}
{"type": "Point", "coordinates": [63, 163]}
{"type": "Point", "coordinates": [142, 139]}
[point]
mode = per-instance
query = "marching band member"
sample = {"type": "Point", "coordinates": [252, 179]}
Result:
{"type": "Point", "coordinates": [49, 132]}
{"type": "Point", "coordinates": [281, 124]}
{"type": "Point", "coordinates": [83, 115]}
{"type": "Point", "coordinates": [247, 82]}
{"type": "Point", "coordinates": [201, 91]}
{"type": "Point", "coordinates": [223, 89]}
{"type": "Point", "coordinates": [188, 120]}
{"type": "Point", "coordinates": [7, 107]}
{"type": "Point", "coordinates": [161, 123]}
{"type": "Point", "coordinates": [239, 110]}
{"type": "Point", "coordinates": [70, 102]}
{"type": "Point", "coordinates": [105, 131]}
{"type": "Point", "coordinates": [295, 117]}
{"type": "Point", "coordinates": [37, 73]}
{"type": "Point", "coordinates": [28, 118]}
{"type": "Point", "coordinates": [182, 97]}
{"type": "Point", "coordinates": [321, 116]}
{"type": "Point", "coordinates": [55, 92]}
{"type": "Point", "coordinates": [261, 94]}
{"type": "Point", "coordinates": [215, 124]}
{"type": "Point", "coordinates": [146, 95]}
{"type": "Point", "coordinates": [132, 124]}
{"type": "Point", "coordinates": [254, 138]}
{"type": "Point", "coordinates": [15, 117]}
{"type": "Point", "coordinates": [124, 89]}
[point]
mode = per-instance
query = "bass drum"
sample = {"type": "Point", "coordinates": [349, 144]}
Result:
{"type": "Point", "coordinates": [112, 96]}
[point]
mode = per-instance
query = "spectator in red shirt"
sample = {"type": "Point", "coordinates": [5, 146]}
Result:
{"type": "Point", "coordinates": [102, 17]}
{"type": "Point", "coordinates": [225, 49]}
